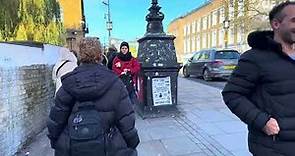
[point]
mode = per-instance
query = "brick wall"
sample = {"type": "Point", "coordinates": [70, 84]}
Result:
{"type": "Point", "coordinates": [25, 99]}
{"type": "Point", "coordinates": [26, 94]}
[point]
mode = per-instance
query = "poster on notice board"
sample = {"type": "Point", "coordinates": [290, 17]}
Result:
{"type": "Point", "coordinates": [161, 90]}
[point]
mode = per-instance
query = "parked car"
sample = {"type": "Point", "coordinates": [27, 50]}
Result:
{"type": "Point", "coordinates": [211, 64]}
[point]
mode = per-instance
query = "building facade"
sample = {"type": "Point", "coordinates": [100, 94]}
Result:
{"type": "Point", "coordinates": [220, 24]}
{"type": "Point", "coordinates": [74, 21]}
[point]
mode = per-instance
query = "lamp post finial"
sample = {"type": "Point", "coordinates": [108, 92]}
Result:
{"type": "Point", "coordinates": [154, 1]}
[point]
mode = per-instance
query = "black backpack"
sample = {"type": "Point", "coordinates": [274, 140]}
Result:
{"type": "Point", "coordinates": [86, 130]}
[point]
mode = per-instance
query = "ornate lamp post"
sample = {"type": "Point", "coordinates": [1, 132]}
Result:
{"type": "Point", "coordinates": [157, 83]}
{"type": "Point", "coordinates": [83, 22]}
{"type": "Point", "coordinates": [154, 19]}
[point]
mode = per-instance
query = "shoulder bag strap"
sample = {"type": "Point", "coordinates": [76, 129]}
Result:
{"type": "Point", "coordinates": [61, 66]}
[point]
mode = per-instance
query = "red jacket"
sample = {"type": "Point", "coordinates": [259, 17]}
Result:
{"type": "Point", "coordinates": [132, 65]}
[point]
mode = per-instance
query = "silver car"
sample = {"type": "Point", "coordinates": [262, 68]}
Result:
{"type": "Point", "coordinates": [211, 64]}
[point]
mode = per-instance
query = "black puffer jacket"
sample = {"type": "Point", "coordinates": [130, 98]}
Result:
{"type": "Point", "coordinates": [263, 86]}
{"type": "Point", "coordinates": [93, 82]}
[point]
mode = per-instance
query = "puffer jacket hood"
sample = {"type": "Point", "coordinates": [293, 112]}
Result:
{"type": "Point", "coordinates": [88, 81]}
{"type": "Point", "coordinates": [263, 40]}
{"type": "Point", "coordinates": [65, 54]}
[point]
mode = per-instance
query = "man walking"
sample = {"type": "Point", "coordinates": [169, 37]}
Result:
{"type": "Point", "coordinates": [261, 91]}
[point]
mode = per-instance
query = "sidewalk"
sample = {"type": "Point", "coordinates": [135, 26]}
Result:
{"type": "Point", "coordinates": [204, 128]}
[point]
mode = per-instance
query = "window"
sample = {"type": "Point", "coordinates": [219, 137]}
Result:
{"type": "Point", "coordinates": [199, 25]}
{"type": "Point", "coordinates": [241, 34]}
{"type": "Point", "coordinates": [221, 15]}
{"type": "Point", "coordinates": [231, 11]}
{"type": "Point", "coordinates": [188, 44]}
{"type": "Point", "coordinates": [214, 38]}
{"type": "Point", "coordinates": [214, 18]}
{"type": "Point", "coordinates": [194, 27]}
{"type": "Point", "coordinates": [227, 55]}
{"type": "Point", "coordinates": [184, 31]}
{"type": "Point", "coordinates": [204, 56]}
{"type": "Point", "coordinates": [196, 56]}
{"type": "Point", "coordinates": [184, 46]}
{"type": "Point", "coordinates": [209, 21]}
{"type": "Point", "coordinates": [193, 44]}
{"type": "Point", "coordinates": [221, 37]}
{"type": "Point", "coordinates": [241, 9]}
{"type": "Point", "coordinates": [231, 36]}
{"type": "Point", "coordinates": [188, 29]}
{"type": "Point", "coordinates": [231, 3]}
{"type": "Point", "coordinates": [198, 43]}
{"type": "Point", "coordinates": [204, 40]}
{"type": "Point", "coordinates": [204, 23]}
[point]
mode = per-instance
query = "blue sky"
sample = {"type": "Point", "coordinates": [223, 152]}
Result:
{"type": "Point", "coordinates": [128, 16]}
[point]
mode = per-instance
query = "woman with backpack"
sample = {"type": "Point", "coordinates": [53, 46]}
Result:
{"type": "Point", "coordinates": [92, 115]}
{"type": "Point", "coordinates": [127, 68]}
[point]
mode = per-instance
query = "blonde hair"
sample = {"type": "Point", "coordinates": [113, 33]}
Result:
{"type": "Point", "coordinates": [90, 50]}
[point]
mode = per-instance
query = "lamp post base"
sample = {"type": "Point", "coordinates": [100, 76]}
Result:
{"type": "Point", "coordinates": [146, 112]}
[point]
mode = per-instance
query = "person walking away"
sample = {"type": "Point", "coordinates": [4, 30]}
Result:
{"type": "Point", "coordinates": [261, 90]}
{"type": "Point", "coordinates": [127, 68]}
{"type": "Point", "coordinates": [66, 63]}
{"type": "Point", "coordinates": [105, 60]}
{"type": "Point", "coordinates": [111, 55]}
{"type": "Point", "coordinates": [92, 115]}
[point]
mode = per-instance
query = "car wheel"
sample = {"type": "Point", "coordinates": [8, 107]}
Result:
{"type": "Point", "coordinates": [206, 76]}
{"type": "Point", "coordinates": [185, 72]}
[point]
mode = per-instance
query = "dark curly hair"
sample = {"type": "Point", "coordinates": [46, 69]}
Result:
{"type": "Point", "coordinates": [90, 50]}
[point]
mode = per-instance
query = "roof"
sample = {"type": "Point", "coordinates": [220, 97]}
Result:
{"type": "Point", "coordinates": [193, 11]}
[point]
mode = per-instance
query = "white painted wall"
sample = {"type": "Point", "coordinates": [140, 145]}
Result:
{"type": "Point", "coordinates": [13, 55]}
{"type": "Point", "coordinates": [26, 92]}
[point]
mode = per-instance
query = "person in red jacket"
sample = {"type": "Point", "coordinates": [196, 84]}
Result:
{"type": "Point", "coordinates": [125, 65]}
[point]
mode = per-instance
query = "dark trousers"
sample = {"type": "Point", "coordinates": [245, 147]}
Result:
{"type": "Point", "coordinates": [133, 97]}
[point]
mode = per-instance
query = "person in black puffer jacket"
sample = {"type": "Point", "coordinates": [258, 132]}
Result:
{"type": "Point", "coordinates": [92, 82]}
{"type": "Point", "coordinates": [261, 90]}
{"type": "Point", "coordinates": [112, 53]}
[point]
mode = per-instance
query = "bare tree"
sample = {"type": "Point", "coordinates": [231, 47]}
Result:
{"type": "Point", "coordinates": [254, 13]}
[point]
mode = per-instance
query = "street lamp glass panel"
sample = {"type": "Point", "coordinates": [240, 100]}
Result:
{"type": "Point", "coordinates": [109, 25]}
{"type": "Point", "coordinates": [226, 24]}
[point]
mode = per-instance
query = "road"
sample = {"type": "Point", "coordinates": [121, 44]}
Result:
{"type": "Point", "coordinates": [218, 83]}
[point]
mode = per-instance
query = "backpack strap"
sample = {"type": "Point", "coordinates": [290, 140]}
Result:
{"type": "Point", "coordinates": [61, 66]}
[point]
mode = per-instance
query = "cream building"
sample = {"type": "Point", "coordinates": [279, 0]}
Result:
{"type": "Point", "coordinates": [221, 24]}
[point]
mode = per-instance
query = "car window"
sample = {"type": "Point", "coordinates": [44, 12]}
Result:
{"type": "Point", "coordinates": [205, 55]}
{"type": "Point", "coordinates": [227, 55]}
{"type": "Point", "coordinates": [196, 56]}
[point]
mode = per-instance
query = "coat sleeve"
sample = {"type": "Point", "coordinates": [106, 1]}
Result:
{"type": "Point", "coordinates": [238, 89]}
{"type": "Point", "coordinates": [125, 119]}
{"type": "Point", "coordinates": [116, 70]}
{"type": "Point", "coordinates": [135, 67]}
{"type": "Point", "coordinates": [59, 114]}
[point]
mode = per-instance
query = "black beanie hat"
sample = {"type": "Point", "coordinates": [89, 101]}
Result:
{"type": "Point", "coordinates": [124, 44]}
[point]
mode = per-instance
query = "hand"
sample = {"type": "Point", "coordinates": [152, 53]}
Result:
{"type": "Point", "coordinates": [118, 64]}
{"type": "Point", "coordinates": [271, 127]}
{"type": "Point", "coordinates": [126, 70]}
{"type": "Point", "coordinates": [122, 73]}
